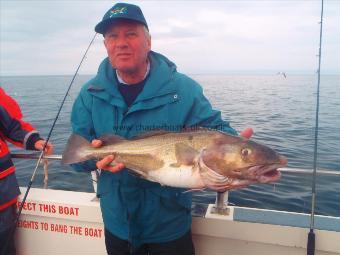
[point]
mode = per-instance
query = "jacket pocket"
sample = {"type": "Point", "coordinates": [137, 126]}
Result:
{"type": "Point", "coordinates": [174, 196]}
{"type": "Point", "coordinates": [9, 189]}
{"type": "Point", "coordinates": [157, 101]}
{"type": "Point", "coordinates": [106, 182]}
{"type": "Point", "coordinates": [112, 205]}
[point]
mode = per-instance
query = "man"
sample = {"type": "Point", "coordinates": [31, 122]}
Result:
{"type": "Point", "coordinates": [14, 130]}
{"type": "Point", "coordinates": [134, 91]}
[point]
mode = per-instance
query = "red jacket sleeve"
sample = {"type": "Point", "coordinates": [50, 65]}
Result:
{"type": "Point", "coordinates": [12, 127]}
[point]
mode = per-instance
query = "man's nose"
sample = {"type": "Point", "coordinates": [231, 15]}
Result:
{"type": "Point", "coordinates": [121, 42]}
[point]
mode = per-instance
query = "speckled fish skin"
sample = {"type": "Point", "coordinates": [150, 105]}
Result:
{"type": "Point", "coordinates": [192, 159]}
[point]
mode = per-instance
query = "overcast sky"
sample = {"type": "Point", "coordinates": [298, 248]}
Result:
{"type": "Point", "coordinates": [50, 37]}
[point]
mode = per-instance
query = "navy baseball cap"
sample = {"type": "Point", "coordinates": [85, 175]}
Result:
{"type": "Point", "coordinates": [121, 11]}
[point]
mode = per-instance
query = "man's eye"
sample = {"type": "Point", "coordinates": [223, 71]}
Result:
{"type": "Point", "coordinates": [111, 36]}
{"type": "Point", "coordinates": [131, 34]}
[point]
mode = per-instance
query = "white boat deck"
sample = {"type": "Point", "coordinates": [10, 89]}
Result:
{"type": "Point", "coordinates": [65, 222]}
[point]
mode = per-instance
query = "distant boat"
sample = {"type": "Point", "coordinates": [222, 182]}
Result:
{"type": "Point", "coordinates": [282, 73]}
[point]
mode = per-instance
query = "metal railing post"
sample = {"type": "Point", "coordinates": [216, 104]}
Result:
{"type": "Point", "coordinates": [221, 204]}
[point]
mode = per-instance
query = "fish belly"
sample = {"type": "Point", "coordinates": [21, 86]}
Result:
{"type": "Point", "coordinates": [180, 177]}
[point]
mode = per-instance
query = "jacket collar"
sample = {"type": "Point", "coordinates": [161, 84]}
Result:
{"type": "Point", "coordinates": [158, 84]}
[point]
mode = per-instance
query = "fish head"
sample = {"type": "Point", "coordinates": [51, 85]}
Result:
{"type": "Point", "coordinates": [241, 161]}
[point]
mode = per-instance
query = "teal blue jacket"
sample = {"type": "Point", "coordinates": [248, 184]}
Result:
{"type": "Point", "coordinates": [132, 208]}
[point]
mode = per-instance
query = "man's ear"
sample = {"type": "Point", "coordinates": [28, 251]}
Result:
{"type": "Point", "coordinates": [104, 43]}
{"type": "Point", "coordinates": [149, 42]}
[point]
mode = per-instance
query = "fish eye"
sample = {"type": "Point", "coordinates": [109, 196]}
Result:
{"type": "Point", "coordinates": [245, 152]}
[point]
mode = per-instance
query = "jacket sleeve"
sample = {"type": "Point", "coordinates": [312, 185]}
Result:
{"type": "Point", "coordinates": [202, 114]}
{"type": "Point", "coordinates": [13, 128]}
{"type": "Point", "coordinates": [82, 125]}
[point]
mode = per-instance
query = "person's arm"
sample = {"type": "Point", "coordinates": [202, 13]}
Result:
{"type": "Point", "coordinates": [15, 130]}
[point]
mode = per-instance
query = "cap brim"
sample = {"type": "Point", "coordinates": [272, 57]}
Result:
{"type": "Point", "coordinates": [102, 26]}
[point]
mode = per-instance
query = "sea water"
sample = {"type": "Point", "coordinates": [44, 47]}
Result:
{"type": "Point", "coordinates": [280, 110]}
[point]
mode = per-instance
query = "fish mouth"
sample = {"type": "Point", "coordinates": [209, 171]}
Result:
{"type": "Point", "coordinates": [265, 173]}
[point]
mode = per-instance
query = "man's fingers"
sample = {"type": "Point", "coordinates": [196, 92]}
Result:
{"type": "Point", "coordinates": [114, 169]}
{"type": "Point", "coordinates": [105, 164]}
{"type": "Point", "coordinates": [247, 133]}
{"type": "Point", "coordinates": [96, 143]}
{"type": "Point", "coordinates": [39, 145]}
{"type": "Point", "coordinates": [105, 161]}
{"type": "Point", "coordinates": [48, 149]}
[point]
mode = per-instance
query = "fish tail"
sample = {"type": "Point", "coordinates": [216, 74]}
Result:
{"type": "Point", "coordinates": [76, 150]}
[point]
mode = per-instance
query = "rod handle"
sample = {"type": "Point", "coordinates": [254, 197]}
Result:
{"type": "Point", "coordinates": [311, 243]}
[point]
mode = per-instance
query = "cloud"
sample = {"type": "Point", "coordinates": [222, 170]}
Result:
{"type": "Point", "coordinates": [50, 37]}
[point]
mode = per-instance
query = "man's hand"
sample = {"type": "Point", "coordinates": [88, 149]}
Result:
{"type": "Point", "coordinates": [39, 145]}
{"type": "Point", "coordinates": [104, 164]}
{"type": "Point", "coordinates": [247, 133]}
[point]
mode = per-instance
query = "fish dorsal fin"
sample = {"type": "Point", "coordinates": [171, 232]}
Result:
{"type": "Point", "coordinates": [195, 128]}
{"type": "Point", "coordinates": [109, 139]}
{"type": "Point", "coordinates": [150, 134]}
{"type": "Point", "coordinates": [185, 154]}
{"type": "Point", "coordinates": [156, 132]}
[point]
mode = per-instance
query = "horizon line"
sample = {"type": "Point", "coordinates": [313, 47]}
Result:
{"type": "Point", "coordinates": [195, 73]}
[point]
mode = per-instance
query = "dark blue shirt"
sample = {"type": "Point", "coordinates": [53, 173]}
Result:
{"type": "Point", "coordinates": [131, 91]}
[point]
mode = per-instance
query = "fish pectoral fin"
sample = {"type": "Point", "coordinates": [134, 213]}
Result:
{"type": "Point", "coordinates": [185, 154]}
{"type": "Point", "coordinates": [137, 173]}
{"type": "Point", "coordinates": [193, 190]}
{"type": "Point", "coordinates": [109, 139]}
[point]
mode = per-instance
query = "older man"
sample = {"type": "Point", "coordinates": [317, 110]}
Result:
{"type": "Point", "coordinates": [136, 90]}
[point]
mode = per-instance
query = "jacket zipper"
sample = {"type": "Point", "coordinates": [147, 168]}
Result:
{"type": "Point", "coordinates": [116, 120]}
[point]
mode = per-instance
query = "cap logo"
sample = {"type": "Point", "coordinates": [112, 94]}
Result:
{"type": "Point", "coordinates": [118, 10]}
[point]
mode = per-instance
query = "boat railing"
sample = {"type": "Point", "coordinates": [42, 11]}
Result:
{"type": "Point", "coordinates": [221, 204]}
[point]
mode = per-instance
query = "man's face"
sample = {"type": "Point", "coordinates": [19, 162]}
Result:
{"type": "Point", "coordinates": [127, 46]}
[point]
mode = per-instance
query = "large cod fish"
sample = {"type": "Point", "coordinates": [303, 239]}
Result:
{"type": "Point", "coordinates": [191, 159]}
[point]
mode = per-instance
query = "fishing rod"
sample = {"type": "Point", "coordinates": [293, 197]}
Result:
{"type": "Point", "coordinates": [311, 234]}
{"type": "Point", "coordinates": [42, 151]}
